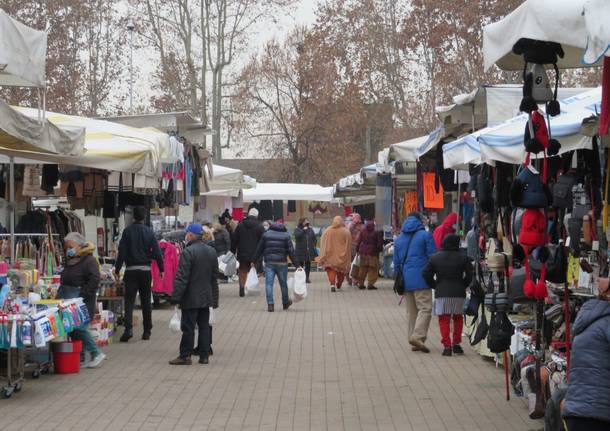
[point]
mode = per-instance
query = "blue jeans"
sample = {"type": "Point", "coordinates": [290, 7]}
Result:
{"type": "Point", "coordinates": [281, 270]}
{"type": "Point", "coordinates": [88, 343]}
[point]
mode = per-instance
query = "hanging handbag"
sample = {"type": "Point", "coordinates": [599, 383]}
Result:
{"type": "Point", "coordinates": [496, 261]}
{"type": "Point", "coordinates": [562, 191]}
{"type": "Point", "coordinates": [500, 333]}
{"type": "Point", "coordinates": [556, 264]}
{"type": "Point", "coordinates": [481, 331]}
{"type": "Point", "coordinates": [528, 190]}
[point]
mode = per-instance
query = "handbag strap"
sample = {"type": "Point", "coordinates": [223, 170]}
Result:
{"type": "Point", "coordinates": [407, 251]}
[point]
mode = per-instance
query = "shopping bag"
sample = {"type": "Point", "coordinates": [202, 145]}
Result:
{"type": "Point", "coordinates": [355, 268]}
{"type": "Point", "coordinates": [291, 289]}
{"type": "Point", "coordinates": [229, 264]}
{"type": "Point", "coordinates": [174, 322]}
{"type": "Point", "coordinates": [300, 285]}
{"type": "Point", "coordinates": [252, 286]}
{"type": "Point", "coordinates": [213, 316]}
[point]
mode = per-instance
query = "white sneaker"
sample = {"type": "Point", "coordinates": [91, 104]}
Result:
{"type": "Point", "coordinates": [95, 362]}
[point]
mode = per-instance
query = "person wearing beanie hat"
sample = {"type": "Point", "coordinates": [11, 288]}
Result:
{"type": "Point", "coordinates": [587, 402]}
{"type": "Point", "coordinates": [449, 273]}
{"type": "Point", "coordinates": [195, 291]}
{"type": "Point", "coordinates": [246, 238]}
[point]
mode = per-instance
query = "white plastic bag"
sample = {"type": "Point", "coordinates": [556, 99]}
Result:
{"type": "Point", "coordinates": [213, 316]}
{"type": "Point", "coordinates": [252, 286]}
{"type": "Point", "coordinates": [291, 289]}
{"type": "Point", "coordinates": [300, 285]}
{"type": "Point", "coordinates": [227, 264]}
{"type": "Point", "coordinates": [174, 322]}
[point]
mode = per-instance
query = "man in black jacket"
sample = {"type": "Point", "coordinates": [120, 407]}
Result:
{"type": "Point", "coordinates": [247, 236]}
{"type": "Point", "coordinates": [138, 247]}
{"type": "Point", "coordinates": [276, 247]}
{"type": "Point", "coordinates": [195, 290]}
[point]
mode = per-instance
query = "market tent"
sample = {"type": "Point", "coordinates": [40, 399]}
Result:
{"type": "Point", "coordinates": [504, 142]}
{"type": "Point", "coordinates": [24, 133]}
{"type": "Point", "coordinates": [23, 52]}
{"type": "Point", "coordinates": [580, 26]}
{"type": "Point", "coordinates": [413, 149]}
{"type": "Point", "coordinates": [289, 192]}
{"type": "Point", "coordinates": [225, 181]}
{"type": "Point", "coordinates": [108, 145]}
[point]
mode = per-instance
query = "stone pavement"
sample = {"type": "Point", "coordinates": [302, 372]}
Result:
{"type": "Point", "coordinates": [332, 362]}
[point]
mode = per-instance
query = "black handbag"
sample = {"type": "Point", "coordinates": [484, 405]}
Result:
{"type": "Point", "coordinates": [562, 191]}
{"type": "Point", "coordinates": [399, 279]}
{"type": "Point", "coordinates": [500, 333]}
{"type": "Point", "coordinates": [481, 332]}
{"type": "Point", "coordinates": [556, 265]}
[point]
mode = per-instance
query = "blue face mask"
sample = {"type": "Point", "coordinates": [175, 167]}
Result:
{"type": "Point", "coordinates": [71, 252]}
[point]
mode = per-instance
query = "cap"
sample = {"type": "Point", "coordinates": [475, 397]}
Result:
{"type": "Point", "coordinates": [195, 228]}
{"type": "Point", "coordinates": [253, 212]}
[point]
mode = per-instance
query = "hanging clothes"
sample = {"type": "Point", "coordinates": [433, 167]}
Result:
{"type": "Point", "coordinates": [170, 263]}
{"type": "Point", "coordinates": [265, 211]}
{"type": "Point", "coordinates": [278, 210]}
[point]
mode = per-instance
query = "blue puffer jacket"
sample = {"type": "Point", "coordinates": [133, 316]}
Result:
{"type": "Point", "coordinates": [421, 246]}
{"type": "Point", "coordinates": [275, 245]}
{"type": "Point", "coordinates": [589, 387]}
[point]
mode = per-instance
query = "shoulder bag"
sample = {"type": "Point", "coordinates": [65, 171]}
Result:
{"type": "Point", "coordinates": [399, 280]}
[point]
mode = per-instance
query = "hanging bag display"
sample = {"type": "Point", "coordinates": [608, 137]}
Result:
{"type": "Point", "coordinates": [500, 333]}
{"type": "Point", "coordinates": [528, 190]}
{"type": "Point", "coordinates": [562, 191]}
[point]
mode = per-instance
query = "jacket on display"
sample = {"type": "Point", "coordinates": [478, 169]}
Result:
{"type": "Point", "coordinates": [371, 241]}
{"type": "Point", "coordinates": [589, 386]}
{"type": "Point", "coordinates": [170, 265]}
{"type": "Point", "coordinates": [83, 272]}
{"type": "Point", "coordinates": [196, 282]}
{"type": "Point", "coordinates": [420, 245]}
{"type": "Point", "coordinates": [305, 249]}
{"type": "Point", "coordinates": [247, 236]}
{"type": "Point", "coordinates": [275, 246]}
{"type": "Point", "coordinates": [449, 272]}
{"type": "Point", "coordinates": [138, 247]}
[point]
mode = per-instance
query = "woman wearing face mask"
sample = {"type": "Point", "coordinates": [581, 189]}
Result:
{"type": "Point", "coordinates": [80, 278]}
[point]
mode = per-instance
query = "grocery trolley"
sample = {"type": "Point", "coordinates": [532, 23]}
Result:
{"type": "Point", "coordinates": [12, 368]}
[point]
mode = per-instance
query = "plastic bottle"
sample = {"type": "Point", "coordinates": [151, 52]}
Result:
{"type": "Point", "coordinates": [27, 333]}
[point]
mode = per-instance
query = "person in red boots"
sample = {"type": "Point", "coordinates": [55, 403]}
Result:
{"type": "Point", "coordinates": [449, 273]}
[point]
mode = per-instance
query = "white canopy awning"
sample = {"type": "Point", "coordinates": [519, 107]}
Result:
{"type": "Point", "coordinates": [413, 149]}
{"type": "Point", "coordinates": [23, 53]}
{"type": "Point", "coordinates": [504, 142]}
{"type": "Point", "coordinates": [289, 192]}
{"type": "Point", "coordinates": [228, 182]}
{"type": "Point", "coordinates": [25, 133]}
{"type": "Point", "coordinates": [109, 146]}
{"type": "Point", "coordinates": [580, 26]}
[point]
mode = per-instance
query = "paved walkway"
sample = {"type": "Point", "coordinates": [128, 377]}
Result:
{"type": "Point", "coordinates": [333, 362]}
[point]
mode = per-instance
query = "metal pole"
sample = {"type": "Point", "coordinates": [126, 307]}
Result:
{"type": "Point", "coordinates": [131, 71]}
{"type": "Point", "coordinates": [131, 27]}
{"type": "Point", "coordinates": [12, 206]}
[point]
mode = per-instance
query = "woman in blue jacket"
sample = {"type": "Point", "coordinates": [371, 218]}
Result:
{"type": "Point", "coordinates": [412, 250]}
{"type": "Point", "coordinates": [587, 403]}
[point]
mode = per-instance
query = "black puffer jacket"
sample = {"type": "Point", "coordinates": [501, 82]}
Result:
{"type": "Point", "coordinates": [196, 282]}
{"type": "Point", "coordinates": [222, 241]}
{"type": "Point", "coordinates": [276, 245]}
{"type": "Point", "coordinates": [247, 236]}
{"type": "Point", "coordinates": [305, 249]}
{"type": "Point", "coordinates": [449, 271]}
{"type": "Point", "coordinates": [83, 272]}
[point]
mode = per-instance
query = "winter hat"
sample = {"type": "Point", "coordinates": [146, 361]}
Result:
{"type": "Point", "coordinates": [540, 141]}
{"type": "Point", "coordinates": [533, 228]}
{"type": "Point", "coordinates": [195, 228]}
{"type": "Point", "coordinates": [253, 212]}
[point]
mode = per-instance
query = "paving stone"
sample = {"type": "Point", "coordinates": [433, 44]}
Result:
{"type": "Point", "coordinates": [336, 361]}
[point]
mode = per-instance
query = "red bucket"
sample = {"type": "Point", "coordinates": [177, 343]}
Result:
{"type": "Point", "coordinates": [66, 356]}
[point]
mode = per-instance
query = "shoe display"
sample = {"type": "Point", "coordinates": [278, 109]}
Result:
{"type": "Point", "coordinates": [287, 306]}
{"type": "Point", "coordinates": [146, 336]}
{"type": "Point", "coordinates": [181, 361]}
{"type": "Point", "coordinates": [447, 351]}
{"type": "Point", "coordinates": [95, 362]}
{"type": "Point", "coordinates": [125, 337]}
{"type": "Point", "coordinates": [270, 308]}
{"type": "Point", "coordinates": [457, 349]}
